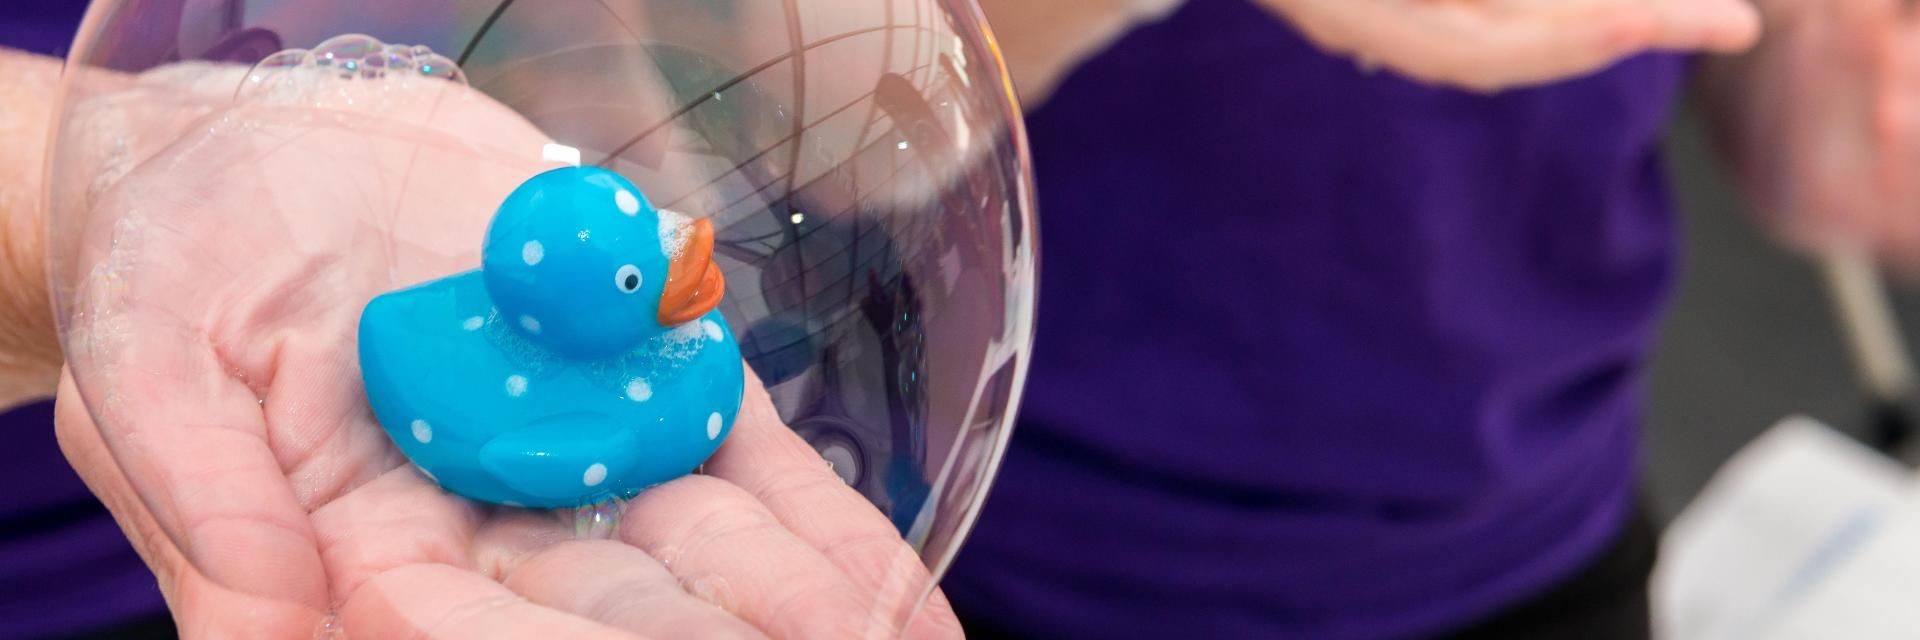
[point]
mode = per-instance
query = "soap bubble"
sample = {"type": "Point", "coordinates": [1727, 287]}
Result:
{"type": "Point", "coordinates": [232, 181]}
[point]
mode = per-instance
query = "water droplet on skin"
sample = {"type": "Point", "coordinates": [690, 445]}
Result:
{"type": "Point", "coordinates": [330, 628]}
{"type": "Point", "coordinates": [347, 49]}
{"type": "Point", "coordinates": [284, 59]}
{"type": "Point", "coordinates": [434, 65]}
{"type": "Point", "coordinates": [710, 588]}
{"type": "Point", "coordinates": [598, 521]}
{"type": "Point", "coordinates": [399, 56]}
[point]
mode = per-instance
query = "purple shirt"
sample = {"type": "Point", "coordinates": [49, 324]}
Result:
{"type": "Point", "coordinates": [1322, 354]}
{"type": "Point", "coordinates": [65, 567]}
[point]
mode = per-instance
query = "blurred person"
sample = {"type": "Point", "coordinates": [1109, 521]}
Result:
{"type": "Point", "coordinates": [1346, 305]}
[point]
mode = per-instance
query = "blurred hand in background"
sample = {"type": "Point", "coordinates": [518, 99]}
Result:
{"type": "Point", "coordinates": [1482, 45]}
{"type": "Point", "coordinates": [1820, 121]}
{"type": "Point", "coordinates": [1487, 45]}
{"type": "Point", "coordinates": [1821, 124]}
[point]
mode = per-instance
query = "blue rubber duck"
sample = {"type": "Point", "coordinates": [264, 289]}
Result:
{"type": "Point", "coordinates": [584, 361]}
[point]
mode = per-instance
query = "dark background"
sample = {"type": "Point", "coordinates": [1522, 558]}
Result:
{"type": "Point", "coordinates": [1751, 337]}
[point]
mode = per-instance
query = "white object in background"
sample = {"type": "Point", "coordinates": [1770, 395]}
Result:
{"type": "Point", "coordinates": [1804, 534]}
{"type": "Point", "coordinates": [1867, 320]}
{"type": "Point", "coordinates": [560, 153]}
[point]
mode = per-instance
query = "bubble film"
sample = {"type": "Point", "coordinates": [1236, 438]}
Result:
{"type": "Point", "coordinates": [232, 181]}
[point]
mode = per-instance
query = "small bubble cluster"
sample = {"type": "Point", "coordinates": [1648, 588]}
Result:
{"type": "Point", "coordinates": [675, 232]}
{"type": "Point", "coordinates": [348, 57]}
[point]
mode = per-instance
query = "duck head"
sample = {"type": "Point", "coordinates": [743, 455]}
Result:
{"type": "Point", "coordinates": [578, 260]}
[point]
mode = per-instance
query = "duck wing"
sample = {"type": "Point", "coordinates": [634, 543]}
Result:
{"type": "Point", "coordinates": [573, 458]}
{"type": "Point", "coordinates": [423, 354]}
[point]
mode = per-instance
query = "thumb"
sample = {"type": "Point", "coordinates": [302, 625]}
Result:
{"type": "Point", "coordinates": [84, 449]}
{"type": "Point", "coordinates": [200, 608]}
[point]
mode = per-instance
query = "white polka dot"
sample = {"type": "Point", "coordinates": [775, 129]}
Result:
{"type": "Point", "coordinates": [713, 330]}
{"type": "Point", "coordinates": [638, 390]}
{"type": "Point", "coordinates": [713, 426]}
{"type": "Point", "coordinates": [530, 323]}
{"type": "Point", "coordinates": [628, 204]}
{"type": "Point", "coordinates": [422, 431]}
{"type": "Point", "coordinates": [595, 475]}
{"type": "Point", "coordinates": [473, 323]}
{"type": "Point", "coordinates": [532, 252]}
{"type": "Point", "coordinates": [516, 385]}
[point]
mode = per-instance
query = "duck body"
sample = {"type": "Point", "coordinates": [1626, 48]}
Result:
{"type": "Point", "coordinates": [497, 407]}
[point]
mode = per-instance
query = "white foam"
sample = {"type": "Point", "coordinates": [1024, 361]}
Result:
{"type": "Point", "coordinates": [638, 390]}
{"type": "Point", "coordinates": [674, 233]}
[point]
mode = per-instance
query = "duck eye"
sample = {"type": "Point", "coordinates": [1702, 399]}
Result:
{"type": "Point", "coordinates": [627, 279]}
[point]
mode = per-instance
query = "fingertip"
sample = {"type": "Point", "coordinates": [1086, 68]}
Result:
{"type": "Point", "coordinates": [1719, 26]}
{"type": "Point", "coordinates": [1739, 31]}
{"type": "Point", "coordinates": [1631, 32]}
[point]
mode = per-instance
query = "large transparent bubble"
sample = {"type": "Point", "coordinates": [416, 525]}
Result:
{"type": "Point", "coordinates": [233, 180]}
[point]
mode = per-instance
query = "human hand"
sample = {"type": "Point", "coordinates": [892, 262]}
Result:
{"type": "Point", "coordinates": [1488, 45]}
{"type": "Point", "coordinates": [225, 256]}
{"type": "Point", "coordinates": [1043, 41]}
{"type": "Point", "coordinates": [29, 355]}
{"type": "Point", "coordinates": [1821, 124]}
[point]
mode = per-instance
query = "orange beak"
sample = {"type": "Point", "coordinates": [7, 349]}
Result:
{"type": "Point", "coordinates": [694, 284]}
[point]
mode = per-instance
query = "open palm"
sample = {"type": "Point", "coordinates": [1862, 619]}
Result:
{"type": "Point", "coordinates": [1488, 45]}
{"type": "Point", "coordinates": [225, 254]}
